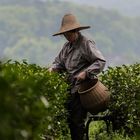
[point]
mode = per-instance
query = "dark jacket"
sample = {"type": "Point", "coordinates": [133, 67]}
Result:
{"type": "Point", "coordinates": [82, 55]}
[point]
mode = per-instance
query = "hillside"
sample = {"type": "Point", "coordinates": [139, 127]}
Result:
{"type": "Point", "coordinates": [26, 29]}
{"type": "Point", "coordinates": [126, 7]}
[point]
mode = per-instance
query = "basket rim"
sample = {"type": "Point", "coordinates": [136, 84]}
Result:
{"type": "Point", "coordinates": [85, 91]}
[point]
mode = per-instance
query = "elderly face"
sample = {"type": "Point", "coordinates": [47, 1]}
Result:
{"type": "Point", "coordinates": [71, 35]}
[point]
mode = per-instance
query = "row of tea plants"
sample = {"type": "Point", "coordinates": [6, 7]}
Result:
{"type": "Point", "coordinates": [124, 108]}
{"type": "Point", "coordinates": [32, 101]}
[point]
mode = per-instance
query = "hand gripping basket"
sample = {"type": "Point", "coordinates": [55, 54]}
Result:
{"type": "Point", "coordinates": [94, 96]}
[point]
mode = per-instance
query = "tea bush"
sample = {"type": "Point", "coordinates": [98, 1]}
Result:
{"type": "Point", "coordinates": [124, 84]}
{"type": "Point", "coordinates": [97, 132]}
{"type": "Point", "coordinates": [31, 102]}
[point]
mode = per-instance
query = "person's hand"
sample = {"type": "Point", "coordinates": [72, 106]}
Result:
{"type": "Point", "coordinates": [81, 76]}
{"type": "Point", "coordinates": [50, 69]}
{"type": "Point", "coordinates": [53, 70]}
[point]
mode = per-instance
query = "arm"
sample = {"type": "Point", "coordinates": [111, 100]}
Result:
{"type": "Point", "coordinates": [58, 64]}
{"type": "Point", "coordinates": [96, 60]}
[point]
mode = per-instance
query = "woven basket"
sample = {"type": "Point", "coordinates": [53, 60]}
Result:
{"type": "Point", "coordinates": [94, 96]}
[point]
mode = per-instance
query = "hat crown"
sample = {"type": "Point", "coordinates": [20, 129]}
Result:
{"type": "Point", "coordinates": [69, 20]}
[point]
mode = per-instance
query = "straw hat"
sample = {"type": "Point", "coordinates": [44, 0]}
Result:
{"type": "Point", "coordinates": [69, 22]}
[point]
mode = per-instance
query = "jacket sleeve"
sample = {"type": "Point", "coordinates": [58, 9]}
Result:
{"type": "Point", "coordinates": [58, 64]}
{"type": "Point", "coordinates": [95, 58]}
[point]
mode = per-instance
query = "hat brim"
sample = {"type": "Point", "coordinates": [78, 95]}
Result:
{"type": "Point", "coordinates": [64, 31]}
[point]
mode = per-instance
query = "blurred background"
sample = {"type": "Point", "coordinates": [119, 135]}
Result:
{"type": "Point", "coordinates": [26, 28]}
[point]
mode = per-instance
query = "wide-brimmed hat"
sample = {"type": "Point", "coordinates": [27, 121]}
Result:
{"type": "Point", "coordinates": [69, 22]}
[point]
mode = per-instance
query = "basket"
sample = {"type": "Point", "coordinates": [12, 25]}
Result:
{"type": "Point", "coordinates": [94, 96]}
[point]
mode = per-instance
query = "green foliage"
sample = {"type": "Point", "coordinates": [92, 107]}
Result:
{"type": "Point", "coordinates": [32, 102]}
{"type": "Point", "coordinates": [124, 84]}
{"type": "Point", "coordinates": [97, 131]}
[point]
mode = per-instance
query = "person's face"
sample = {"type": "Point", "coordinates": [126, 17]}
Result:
{"type": "Point", "coordinates": [70, 36]}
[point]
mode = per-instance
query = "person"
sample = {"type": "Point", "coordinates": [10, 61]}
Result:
{"type": "Point", "coordinates": [80, 59]}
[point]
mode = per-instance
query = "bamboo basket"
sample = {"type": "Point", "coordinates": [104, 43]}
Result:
{"type": "Point", "coordinates": [94, 96]}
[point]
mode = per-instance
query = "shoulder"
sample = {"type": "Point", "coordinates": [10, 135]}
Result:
{"type": "Point", "coordinates": [87, 43]}
{"type": "Point", "coordinates": [65, 45]}
{"type": "Point", "coordinates": [64, 48]}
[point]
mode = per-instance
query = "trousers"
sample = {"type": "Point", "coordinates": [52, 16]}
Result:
{"type": "Point", "coordinates": [76, 117]}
